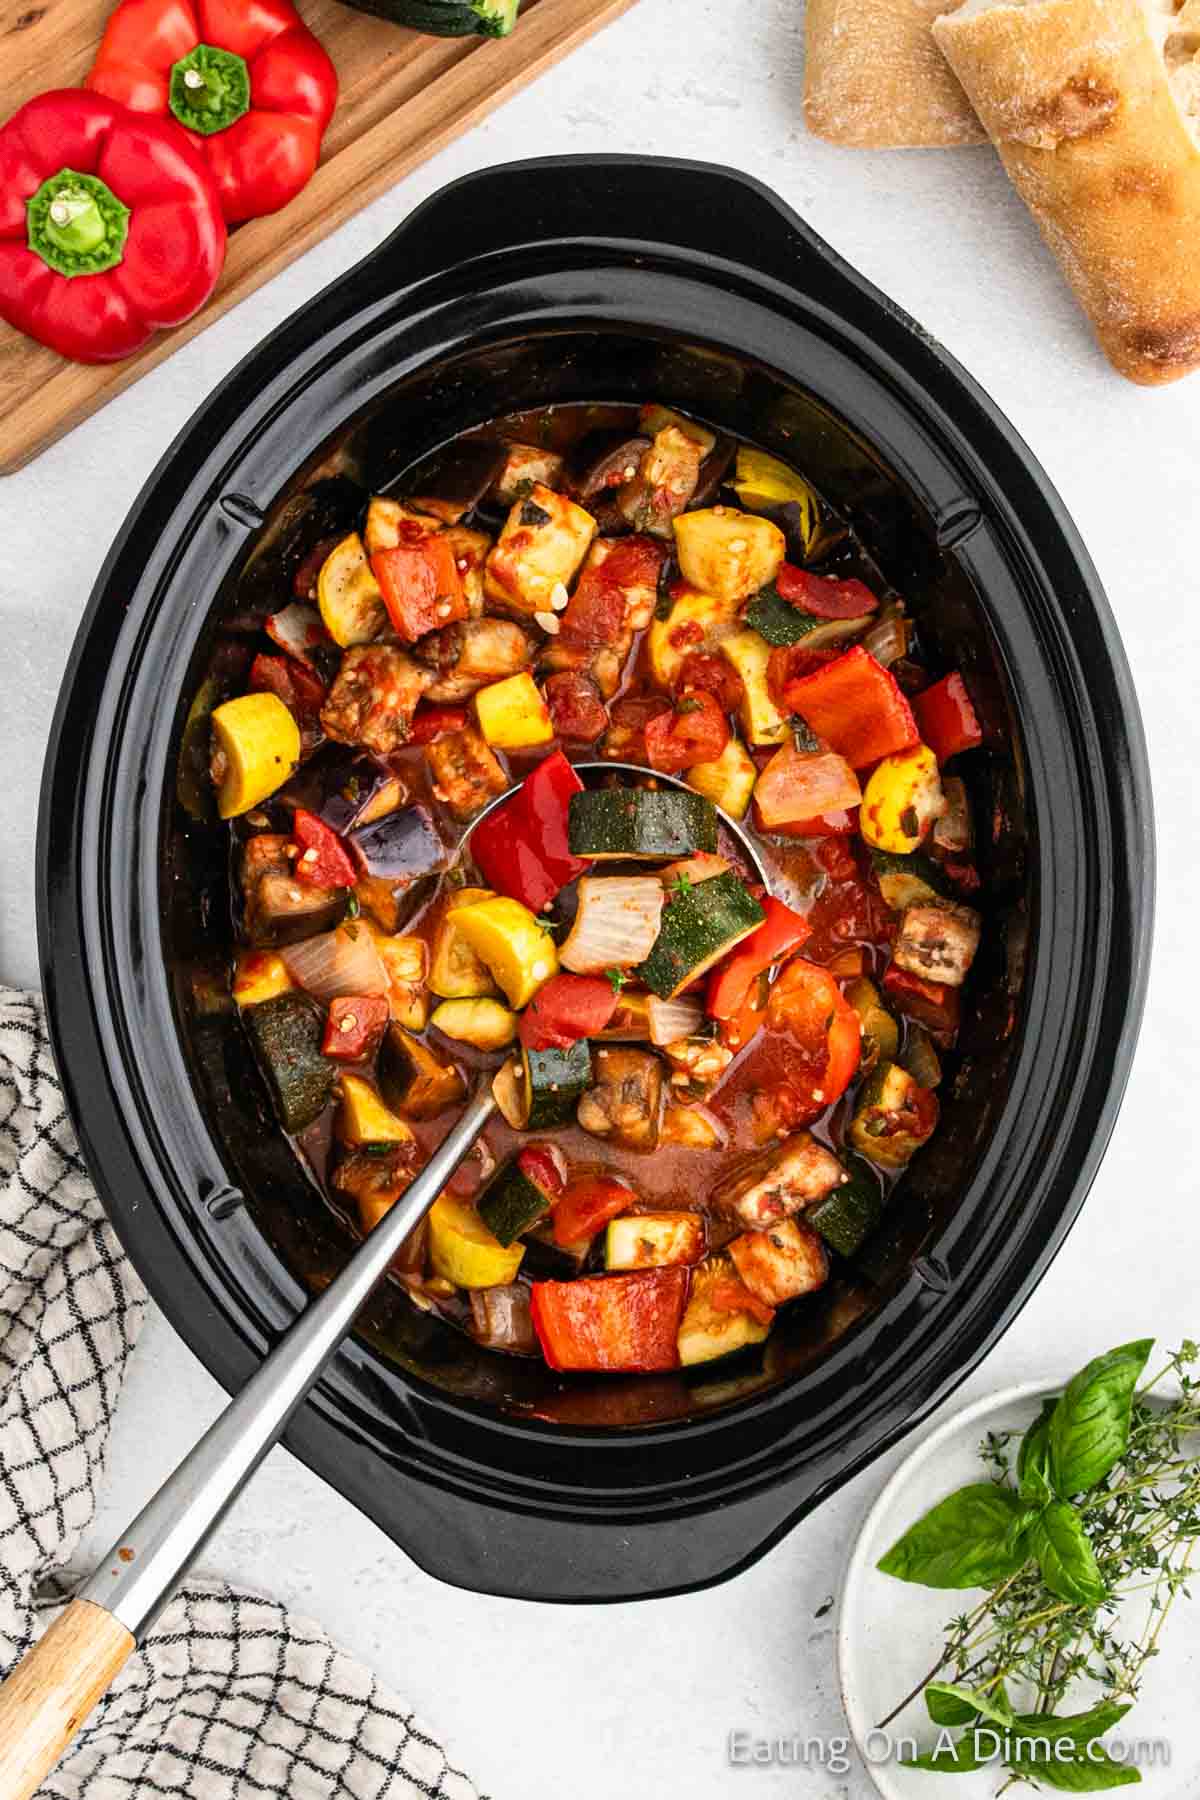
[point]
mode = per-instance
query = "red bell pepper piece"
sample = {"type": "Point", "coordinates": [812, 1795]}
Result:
{"type": "Point", "coordinates": [781, 932]}
{"type": "Point", "coordinates": [567, 1008]}
{"type": "Point", "coordinates": [520, 848]}
{"type": "Point", "coordinates": [615, 1323]}
{"type": "Point", "coordinates": [748, 1018]}
{"type": "Point", "coordinates": [587, 1204]}
{"type": "Point", "coordinates": [946, 719]}
{"type": "Point", "coordinates": [824, 596]}
{"type": "Point", "coordinates": [789, 664]}
{"type": "Point", "coordinates": [431, 722]}
{"type": "Point", "coordinates": [696, 731]}
{"type": "Point", "coordinates": [421, 586]}
{"type": "Point", "coordinates": [300, 688]}
{"type": "Point", "coordinates": [855, 704]}
{"type": "Point", "coordinates": [110, 226]}
{"type": "Point", "coordinates": [246, 80]}
{"type": "Point", "coordinates": [929, 1003]}
{"type": "Point", "coordinates": [537, 1162]}
{"type": "Point", "coordinates": [324, 860]}
{"type": "Point", "coordinates": [355, 1026]}
{"type": "Point", "coordinates": [807, 1003]}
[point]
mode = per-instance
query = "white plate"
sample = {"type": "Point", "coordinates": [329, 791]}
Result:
{"type": "Point", "coordinates": [890, 1632]}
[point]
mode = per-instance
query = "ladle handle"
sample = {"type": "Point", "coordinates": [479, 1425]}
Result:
{"type": "Point", "coordinates": [52, 1690]}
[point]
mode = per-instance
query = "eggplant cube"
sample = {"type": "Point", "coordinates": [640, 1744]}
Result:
{"type": "Point", "coordinates": [538, 553]}
{"type": "Point", "coordinates": [780, 1181]}
{"type": "Point", "coordinates": [780, 1263]}
{"type": "Point", "coordinates": [938, 942]}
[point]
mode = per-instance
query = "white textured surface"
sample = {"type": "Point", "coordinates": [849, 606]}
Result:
{"type": "Point", "coordinates": [536, 1701]}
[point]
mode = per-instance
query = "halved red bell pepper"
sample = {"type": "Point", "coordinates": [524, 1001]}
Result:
{"type": "Point", "coordinates": [355, 1026]}
{"type": "Point", "coordinates": [567, 1008]}
{"type": "Point", "coordinates": [587, 1204]}
{"type": "Point", "coordinates": [324, 860]}
{"type": "Point", "coordinates": [421, 585]}
{"type": "Point", "coordinates": [824, 596]}
{"type": "Point", "coordinates": [929, 1003]}
{"type": "Point", "coordinates": [855, 704]}
{"type": "Point", "coordinates": [947, 721]}
{"type": "Point", "coordinates": [432, 722]}
{"type": "Point", "coordinates": [520, 848]}
{"type": "Point", "coordinates": [110, 226]}
{"type": "Point", "coordinates": [695, 731]}
{"type": "Point", "coordinates": [246, 80]}
{"type": "Point", "coordinates": [807, 1003]}
{"type": "Point", "coordinates": [612, 1323]}
{"type": "Point", "coordinates": [781, 932]}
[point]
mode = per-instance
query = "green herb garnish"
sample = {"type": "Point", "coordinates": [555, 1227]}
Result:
{"type": "Point", "coordinates": [617, 979]}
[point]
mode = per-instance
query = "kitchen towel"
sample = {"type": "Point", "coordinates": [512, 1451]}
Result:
{"type": "Point", "coordinates": [232, 1696]}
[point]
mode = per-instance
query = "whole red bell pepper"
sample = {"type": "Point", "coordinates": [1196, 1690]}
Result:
{"type": "Point", "coordinates": [521, 848]}
{"type": "Point", "coordinates": [946, 719]}
{"type": "Point", "coordinates": [781, 932]}
{"type": "Point", "coordinates": [856, 705]}
{"type": "Point", "coordinates": [110, 226]}
{"type": "Point", "coordinates": [614, 1323]}
{"type": "Point", "coordinates": [246, 80]}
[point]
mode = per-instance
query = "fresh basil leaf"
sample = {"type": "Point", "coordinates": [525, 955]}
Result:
{"type": "Point", "coordinates": [973, 1538]}
{"type": "Point", "coordinates": [1090, 1427]}
{"type": "Point", "coordinates": [1065, 1556]}
{"type": "Point", "coordinates": [947, 1758]}
{"type": "Point", "coordinates": [967, 1703]}
{"type": "Point", "coordinates": [1081, 1728]}
{"type": "Point", "coordinates": [1033, 1458]}
{"type": "Point", "coordinates": [1090, 1772]}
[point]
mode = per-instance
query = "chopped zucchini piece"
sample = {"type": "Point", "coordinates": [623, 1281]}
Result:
{"type": "Point", "coordinates": [414, 1080]}
{"type": "Point", "coordinates": [286, 1033]}
{"type": "Point", "coordinates": [349, 596]}
{"type": "Point", "coordinates": [698, 928]}
{"type": "Point", "coordinates": [259, 975]}
{"type": "Point", "coordinates": [728, 553]}
{"type": "Point", "coordinates": [462, 1249]}
{"type": "Point", "coordinates": [551, 1083]}
{"type": "Point", "coordinates": [364, 1118]}
{"type": "Point", "coordinates": [780, 623]}
{"type": "Point", "coordinates": [512, 1202]}
{"type": "Point", "coordinates": [707, 1331]}
{"type": "Point", "coordinates": [729, 781]}
{"type": "Point", "coordinates": [695, 622]}
{"type": "Point", "coordinates": [455, 972]}
{"type": "Point", "coordinates": [906, 880]}
{"type": "Point", "coordinates": [893, 1118]}
{"type": "Point", "coordinates": [847, 1217]}
{"type": "Point", "coordinates": [748, 655]}
{"type": "Point", "coordinates": [512, 713]}
{"type": "Point", "coordinates": [514, 947]}
{"type": "Point", "coordinates": [640, 824]}
{"type": "Point", "coordinates": [880, 1033]}
{"type": "Point", "coordinates": [901, 801]}
{"type": "Point", "coordinates": [256, 746]}
{"type": "Point", "coordinates": [654, 1240]}
{"type": "Point", "coordinates": [484, 1023]}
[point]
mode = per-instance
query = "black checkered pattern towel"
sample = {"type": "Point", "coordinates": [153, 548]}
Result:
{"type": "Point", "coordinates": [232, 1696]}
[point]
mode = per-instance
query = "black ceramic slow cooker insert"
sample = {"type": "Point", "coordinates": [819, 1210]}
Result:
{"type": "Point", "coordinates": [594, 279]}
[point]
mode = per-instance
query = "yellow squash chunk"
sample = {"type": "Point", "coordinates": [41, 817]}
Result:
{"type": "Point", "coordinates": [406, 961]}
{"type": "Point", "coordinates": [456, 973]}
{"type": "Point", "coordinates": [259, 975]}
{"type": "Point", "coordinates": [544, 540]}
{"type": "Point", "coordinates": [902, 800]}
{"type": "Point", "coordinates": [363, 1117]}
{"type": "Point", "coordinates": [728, 553]}
{"type": "Point", "coordinates": [348, 595]}
{"type": "Point", "coordinates": [484, 1023]}
{"type": "Point", "coordinates": [729, 781]}
{"type": "Point", "coordinates": [707, 1331]}
{"type": "Point", "coordinates": [514, 948]}
{"type": "Point", "coordinates": [463, 1250]}
{"type": "Point", "coordinates": [761, 482]}
{"type": "Point", "coordinates": [512, 714]}
{"type": "Point", "coordinates": [669, 640]}
{"type": "Point", "coordinates": [762, 721]}
{"type": "Point", "coordinates": [257, 745]}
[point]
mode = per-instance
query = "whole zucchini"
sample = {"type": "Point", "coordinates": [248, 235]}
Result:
{"type": "Point", "coordinates": [445, 18]}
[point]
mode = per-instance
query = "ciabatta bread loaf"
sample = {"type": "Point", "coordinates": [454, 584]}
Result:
{"type": "Point", "coordinates": [874, 77]}
{"type": "Point", "coordinates": [1093, 106]}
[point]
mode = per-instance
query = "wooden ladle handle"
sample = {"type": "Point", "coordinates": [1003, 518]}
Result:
{"type": "Point", "coordinates": [53, 1689]}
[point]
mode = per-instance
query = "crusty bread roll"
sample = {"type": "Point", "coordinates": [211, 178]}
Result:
{"type": "Point", "coordinates": [1093, 106]}
{"type": "Point", "coordinates": [874, 77]}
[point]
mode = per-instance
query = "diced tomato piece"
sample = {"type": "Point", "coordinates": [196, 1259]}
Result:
{"type": "Point", "coordinates": [798, 785]}
{"type": "Point", "coordinates": [300, 688]}
{"type": "Point", "coordinates": [616, 1323]}
{"type": "Point", "coordinates": [576, 710]}
{"type": "Point", "coordinates": [598, 611]}
{"type": "Point", "coordinates": [728, 1294]}
{"type": "Point", "coordinates": [789, 664]}
{"type": "Point", "coordinates": [807, 1003]}
{"type": "Point", "coordinates": [824, 596]}
{"type": "Point", "coordinates": [355, 1026]}
{"type": "Point", "coordinates": [697, 731]}
{"type": "Point", "coordinates": [700, 672]}
{"type": "Point", "coordinates": [538, 1163]}
{"type": "Point", "coordinates": [929, 1003]}
{"type": "Point", "coordinates": [431, 722]}
{"type": "Point", "coordinates": [748, 1018]}
{"type": "Point", "coordinates": [521, 847]}
{"type": "Point", "coordinates": [567, 1008]}
{"type": "Point", "coordinates": [625, 740]}
{"type": "Point", "coordinates": [324, 860]}
{"type": "Point", "coordinates": [420, 585]}
{"type": "Point", "coordinates": [857, 707]}
{"type": "Point", "coordinates": [587, 1204]}
{"type": "Point", "coordinates": [825, 825]}
{"type": "Point", "coordinates": [947, 721]}
{"type": "Point", "coordinates": [781, 932]}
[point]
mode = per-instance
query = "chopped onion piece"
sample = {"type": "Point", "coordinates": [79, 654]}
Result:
{"type": "Point", "coordinates": [296, 629]}
{"type": "Point", "coordinates": [616, 923]}
{"type": "Point", "coordinates": [501, 1319]}
{"type": "Point", "coordinates": [344, 961]}
{"type": "Point", "coordinates": [672, 1019]}
{"type": "Point", "coordinates": [887, 640]}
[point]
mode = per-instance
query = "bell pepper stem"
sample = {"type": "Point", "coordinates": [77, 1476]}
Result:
{"type": "Point", "coordinates": [76, 224]}
{"type": "Point", "coordinates": [210, 89]}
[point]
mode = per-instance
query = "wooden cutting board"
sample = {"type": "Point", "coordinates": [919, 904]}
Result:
{"type": "Point", "coordinates": [402, 97]}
